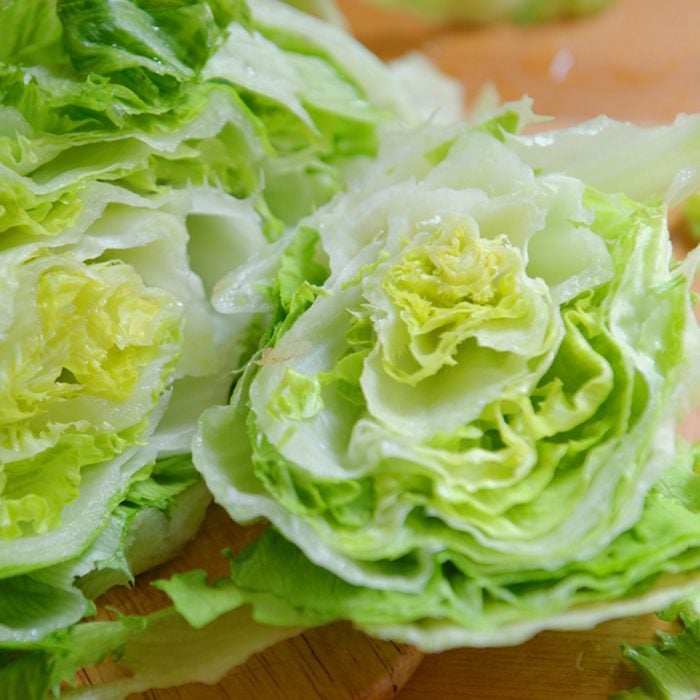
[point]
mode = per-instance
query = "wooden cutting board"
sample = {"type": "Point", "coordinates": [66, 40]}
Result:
{"type": "Point", "coordinates": [640, 60]}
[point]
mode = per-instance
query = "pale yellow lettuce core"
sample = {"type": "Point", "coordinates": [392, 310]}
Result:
{"type": "Point", "coordinates": [445, 292]}
{"type": "Point", "coordinates": [89, 353]}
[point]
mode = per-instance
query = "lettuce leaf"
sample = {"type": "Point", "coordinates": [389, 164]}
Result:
{"type": "Point", "coordinates": [448, 608]}
{"type": "Point", "coordinates": [669, 669]}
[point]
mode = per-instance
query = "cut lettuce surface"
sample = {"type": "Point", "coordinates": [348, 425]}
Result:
{"type": "Point", "coordinates": [447, 609]}
{"type": "Point", "coordinates": [463, 424]}
{"type": "Point", "coordinates": [106, 331]}
{"type": "Point", "coordinates": [147, 149]}
{"type": "Point", "coordinates": [160, 650]}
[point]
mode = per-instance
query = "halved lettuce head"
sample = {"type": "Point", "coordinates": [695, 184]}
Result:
{"type": "Point", "coordinates": [692, 215]}
{"type": "Point", "coordinates": [466, 414]}
{"type": "Point", "coordinates": [161, 95]}
{"type": "Point", "coordinates": [110, 350]}
{"type": "Point", "coordinates": [147, 149]}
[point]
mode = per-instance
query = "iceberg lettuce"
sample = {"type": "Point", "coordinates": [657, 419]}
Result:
{"type": "Point", "coordinates": [459, 354]}
{"type": "Point", "coordinates": [147, 149]}
{"type": "Point", "coordinates": [463, 424]}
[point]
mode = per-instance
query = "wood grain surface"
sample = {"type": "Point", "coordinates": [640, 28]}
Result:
{"type": "Point", "coordinates": [640, 60]}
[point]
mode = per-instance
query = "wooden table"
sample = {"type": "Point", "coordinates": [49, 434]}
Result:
{"type": "Point", "coordinates": [640, 60]}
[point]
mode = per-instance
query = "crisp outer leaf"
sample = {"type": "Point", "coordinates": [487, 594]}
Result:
{"type": "Point", "coordinates": [160, 650]}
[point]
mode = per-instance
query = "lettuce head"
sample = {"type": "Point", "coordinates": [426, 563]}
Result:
{"type": "Point", "coordinates": [463, 422]}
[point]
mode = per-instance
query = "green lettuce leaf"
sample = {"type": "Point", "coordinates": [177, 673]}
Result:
{"type": "Point", "coordinates": [32, 33]}
{"type": "Point", "coordinates": [147, 150]}
{"type": "Point", "coordinates": [669, 669]}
